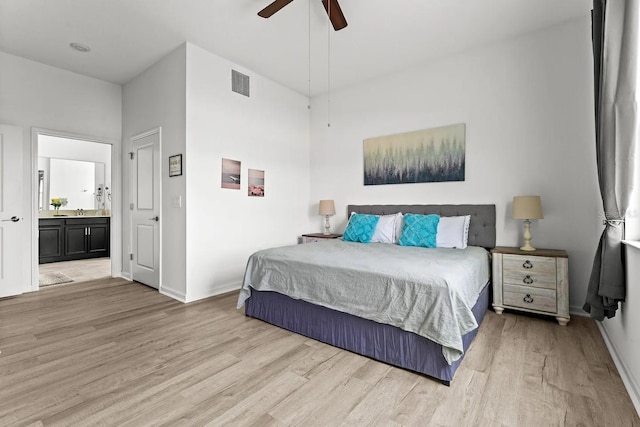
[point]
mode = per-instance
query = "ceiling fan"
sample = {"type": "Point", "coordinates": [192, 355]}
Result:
{"type": "Point", "coordinates": [331, 6]}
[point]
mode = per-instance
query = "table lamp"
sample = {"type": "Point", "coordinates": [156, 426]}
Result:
{"type": "Point", "coordinates": [527, 208]}
{"type": "Point", "coordinates": [327, 208]}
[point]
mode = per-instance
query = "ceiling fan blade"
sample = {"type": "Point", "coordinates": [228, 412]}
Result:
{"type": "Point", "coordinates": [335, 14]}
{"type": "Point", "coordinates": [273, 8]}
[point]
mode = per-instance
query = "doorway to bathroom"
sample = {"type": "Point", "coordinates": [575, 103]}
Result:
{"type": "Point", "coordinates": [74, 202]}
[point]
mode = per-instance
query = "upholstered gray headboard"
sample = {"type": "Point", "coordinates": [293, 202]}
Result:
{"type": "Point", "coordinates": [482, 227]}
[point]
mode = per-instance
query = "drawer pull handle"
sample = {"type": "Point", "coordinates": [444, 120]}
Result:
{"type": "Point", "coordinates": [527, 280]}
{"type": "Point", "coordinates": [528, 299]}
{"type": "Point", "coordinates": [527, 264]}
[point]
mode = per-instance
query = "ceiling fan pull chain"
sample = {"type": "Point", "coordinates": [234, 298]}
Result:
{"type": "Point", "coordinates": [309, 51]}
{"type": "Point", "coordinates": [329, 66]}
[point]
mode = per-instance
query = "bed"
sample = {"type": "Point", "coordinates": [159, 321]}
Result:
{"type": "Point", "coordinates": [398, 340]}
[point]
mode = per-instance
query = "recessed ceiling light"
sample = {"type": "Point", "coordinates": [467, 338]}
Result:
{"type": "Point", "coordinates": [80, 47]}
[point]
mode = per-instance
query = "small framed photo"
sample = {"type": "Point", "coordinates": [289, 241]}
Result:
{"type": "Point", "coordinates": [256, 183]}
{"type": "Point", "coordinates": [230, 174]}
{"type": "Point", "coordinates": [175, 165]}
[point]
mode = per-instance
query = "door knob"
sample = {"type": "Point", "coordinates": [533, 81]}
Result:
{"type": "Point", "coordinates": [13, 219]}
{"type": "Point", "coordinates": [155, 218]}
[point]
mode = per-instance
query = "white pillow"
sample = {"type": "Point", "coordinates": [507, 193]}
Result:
{"type": "Point", "coordinates": [399, 222]}
{"type": "Point", "coordinates": [453, 232]}
{"type": "Point", "coordinates": [387, 229]}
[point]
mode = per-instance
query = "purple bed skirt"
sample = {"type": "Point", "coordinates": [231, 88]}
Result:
{"type": "Point", "coordinates": [382, 342]}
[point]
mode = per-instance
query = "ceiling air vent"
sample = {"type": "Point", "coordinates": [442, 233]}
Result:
{"type": "Point", "coordinates": [239, 83]}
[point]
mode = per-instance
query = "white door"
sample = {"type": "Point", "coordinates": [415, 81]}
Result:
{"type": "Point", "coordinates": [14, 232]}
{"type": "Point", "coordinates": [146, 209]}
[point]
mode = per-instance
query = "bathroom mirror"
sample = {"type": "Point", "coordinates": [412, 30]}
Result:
{"type": "Point", "coordinates": [82, 183]}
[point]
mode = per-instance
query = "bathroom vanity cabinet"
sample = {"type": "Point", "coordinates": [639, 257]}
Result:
{"type": "Point", "coordinates": [73, 238]}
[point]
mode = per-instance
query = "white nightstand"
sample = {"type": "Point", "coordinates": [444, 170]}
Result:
{"type": "Point", "coordinates": [316, 237]}
{"type": "Point", "coordinates": [533, 281]}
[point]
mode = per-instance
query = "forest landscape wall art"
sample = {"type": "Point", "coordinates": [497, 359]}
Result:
{"type": "Point", "coordinates": [429, 155]}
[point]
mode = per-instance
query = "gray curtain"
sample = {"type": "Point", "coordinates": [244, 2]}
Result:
{"type": "Point", "coordinates": [615, 47]}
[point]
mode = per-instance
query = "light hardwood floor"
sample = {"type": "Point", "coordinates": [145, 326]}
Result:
{"type": "Point", "coordinates": [112, 352]}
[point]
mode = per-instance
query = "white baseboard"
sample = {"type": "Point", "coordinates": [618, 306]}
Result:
{"type": "Point", "coordinates": [125, 275]}
{"type": "Point", "coordinates": [219, 289]}
{"type": "Point", "coordinates": [180, 296]}
{"type": "Point", "coordinates": [630, 383]}
{"type": "Point", "coordinates": [173, 294]}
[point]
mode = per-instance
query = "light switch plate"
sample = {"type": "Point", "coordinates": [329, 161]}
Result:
{"type": "Point", "coordinates": [177, 202]}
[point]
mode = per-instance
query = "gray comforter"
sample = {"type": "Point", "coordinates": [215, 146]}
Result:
{"type": "Point", "coordinates": [426, 291]}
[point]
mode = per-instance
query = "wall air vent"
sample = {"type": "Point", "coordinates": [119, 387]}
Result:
{"type": "Point", "coordinates": [239, 83]}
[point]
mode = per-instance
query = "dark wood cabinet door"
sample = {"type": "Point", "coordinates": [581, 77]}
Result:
{"type": "Point", "coordinates": [50, 241]}
{"type": "Point", "coordinates": [75, 240]}
{"type": "Point", "coordinates": [98, 240]}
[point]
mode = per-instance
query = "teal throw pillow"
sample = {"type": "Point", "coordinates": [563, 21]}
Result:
{"type": "Point", "coordinates": [360, 228]}
{"type": "Point", "coordinates": [419, 230]}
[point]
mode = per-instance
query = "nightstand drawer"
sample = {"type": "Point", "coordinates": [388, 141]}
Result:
{"type": "Point", "coordinates": [538, 264]}
{"type": "Point", "coordinates": [306, 239]}
{"type": "Point", "coordinates": [547, 281]}
{"type": "Point", "coordinates": [529, 298]}
{"type": "Point", "coordinates": [539, 272]}
{"type": "Point", "coordinates": [318, 237]}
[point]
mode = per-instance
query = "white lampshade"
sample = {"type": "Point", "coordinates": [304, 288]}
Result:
{"type": "Point", "coordinates": [527, 207]}
{"type": "Point", "coordinates": [327, 207]}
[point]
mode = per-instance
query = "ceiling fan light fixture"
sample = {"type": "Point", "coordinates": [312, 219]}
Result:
{"type": "Point", "coordinates": [80, 47]}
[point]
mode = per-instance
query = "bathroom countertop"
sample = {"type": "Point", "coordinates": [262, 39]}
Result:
{"type": "Point", "coordinates": [74, 216]}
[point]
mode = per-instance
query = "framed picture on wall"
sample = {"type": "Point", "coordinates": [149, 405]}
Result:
{"type": "Point", "coordinates": [256, 183]}
{"type": "Point", "coordinates": [230, 174]}
{"type": "Point", "coordinates": [175, 165]}
{"type": "Point", "coordinates": [429, 155]}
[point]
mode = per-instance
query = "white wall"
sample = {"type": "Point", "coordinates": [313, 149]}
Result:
{"type": "Point", "coordinates": [156, 98]}
{"type": "Point", "coordinates": [528, 108]}
{"type": "Point", "coordinates": [41, 96]}
{"type": "Point", "coordinates": [207, 240]}
{"type": "Point", "coordinates": [268, 131]}
{"type": "Point", "coordinates": [34, 94]}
